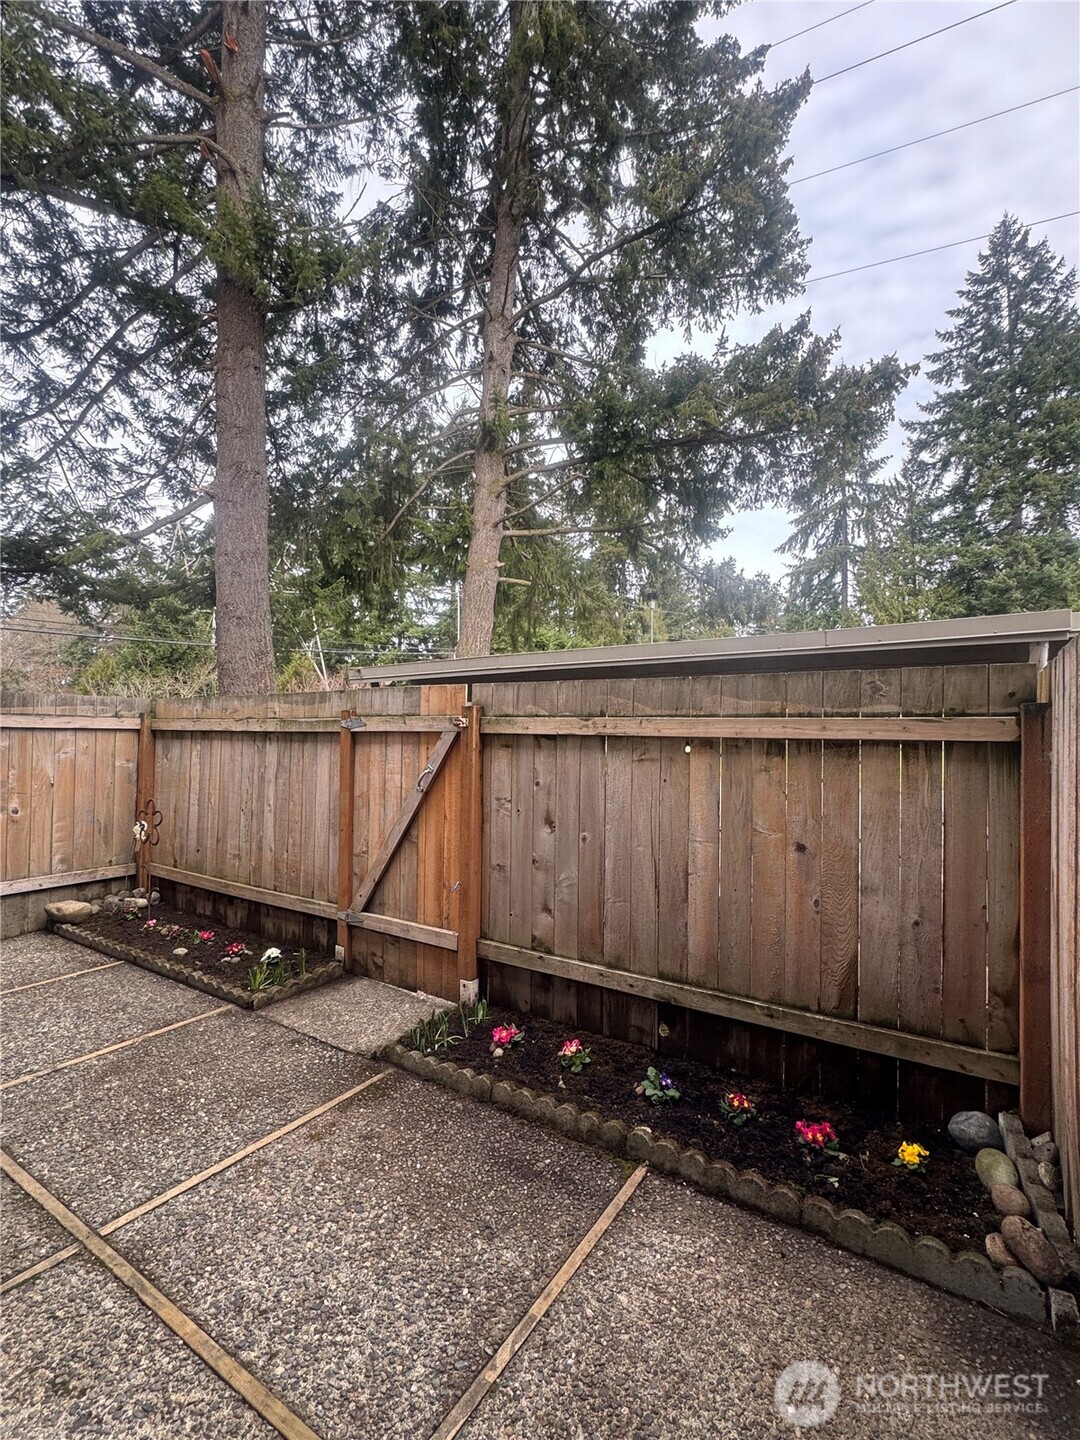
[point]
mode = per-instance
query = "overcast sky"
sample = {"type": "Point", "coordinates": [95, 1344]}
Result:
{"type": "Point", "coordinates": [945, 190]}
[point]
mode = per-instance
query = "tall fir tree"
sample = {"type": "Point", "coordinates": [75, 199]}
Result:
{"type": "Point", "coordinates": [998, 447]}
{"type": "Point", "coordinates": [169, 216]}
{"type": "Point", "coordinates": [572, 179]}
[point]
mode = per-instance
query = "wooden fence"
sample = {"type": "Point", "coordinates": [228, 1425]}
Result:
{"type": "Point", "coordinates": [816, 858]}
{"type": "Point", "coordinates": [276, 803]}
{"type": "Point", "coordinates": [67, 764]}
{"type": "Point", "coordinates": [830, 878]}
{"type": "Point", "coordinates": [1065, 919]}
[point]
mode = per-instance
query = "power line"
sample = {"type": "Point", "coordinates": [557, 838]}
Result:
{"type": "Point", "coordinates": [1069, 90]}
{"type": "Point", "coordinates": [820, 23]}
{"type": "Point", "coordinates": [911, 255]}
{"type": "Point", "coordinates": [917, 41]}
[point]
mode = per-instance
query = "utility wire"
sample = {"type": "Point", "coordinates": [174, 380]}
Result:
{"type": "Point", "coordinates": [1069, 90]}
{"type": "Point", "coordinates": [820, 23]}
{"type": "Point", "coordinates": [816, 279]}
{"type": "Point", "coordinates": [917, 41]}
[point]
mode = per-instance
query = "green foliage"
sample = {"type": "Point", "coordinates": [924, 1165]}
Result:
{"type": "Point", "coordinates": [997, 452]}
{"type": "Point", "coordinates": [658, 1087]}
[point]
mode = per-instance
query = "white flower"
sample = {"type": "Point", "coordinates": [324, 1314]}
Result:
{"type": "Point", "coordinates": [272, 954]}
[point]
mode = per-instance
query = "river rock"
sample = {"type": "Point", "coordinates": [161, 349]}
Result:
{"type": "Point", "coordinates": [139, 894]}
{"type": "Point", "coordinates": [1008, 1200]}
{"type": "Point", "coordinates": [1050, 1176]}
{"type": "Point", "coordinates": [69, 912]}
{"type": "Point", "coordinates": [134, 903]}
{"type": "Point", "coordinates": [974, 1130]}
{"type": "Point", "coordinates": [994, 1168]}
{"type": "Point", "coordinates": [997, 1250]}
{"type": "Point", "coordinates": [1044, 1149]}
{"type": "Point", "coordinates": [155, 897]}
{"type": "Point", "coordinates": [1033, 1250]}
{"type": "Point", "coordinates": [179, 950]}
{"type": "Point", "coordinates": [112, 903]}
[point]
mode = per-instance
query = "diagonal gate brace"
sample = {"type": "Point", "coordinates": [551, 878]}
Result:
{"type": "Point", "coordinates": [381, 863]}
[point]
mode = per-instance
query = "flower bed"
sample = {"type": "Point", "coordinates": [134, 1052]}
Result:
{"type": "Point", "coordinates": [232, 964]}
{"type": "Point", "coordinates": [819, 1147]}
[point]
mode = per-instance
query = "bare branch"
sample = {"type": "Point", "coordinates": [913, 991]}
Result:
{"type": "Point", "coordinates": [130, 57]}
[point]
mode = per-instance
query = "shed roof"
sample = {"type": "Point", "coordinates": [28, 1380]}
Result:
{"type": "Point", "coordinates": [1005, 638]}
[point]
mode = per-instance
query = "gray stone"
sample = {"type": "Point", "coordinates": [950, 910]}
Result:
{"type": "Point", "coordinates": [994, 1168]}
{"type": "Point", "coordinates": [1050, 1176]}
{"type": "Point", "coordinates": [135, 902]}
{"type": "Point", "coordinates": [1008, 1200]}
{"type": "Point", "coordinates": [111, 903]}
{"type": "Point", "coordinates": [155, 897]}
{"type": "Point", "coordinates": [69, 912]}
{"type": "Point", "coordinates": [998, 1251]}
{"type": "Point", "coordinates": [179, 950]}
{"type": "Point", "coordinates": [1065, 1318]}
{"type": "Point", "coordinates": [974, 1130]}
{"type": "Point", "coordinates": [139, 894]}
{"type": "Point", "coordinates": [1033, 1250]}
{"type": "Point", "coordinates": [1044, 1149]}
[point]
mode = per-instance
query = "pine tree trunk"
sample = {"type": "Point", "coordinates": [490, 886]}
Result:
{"type": "Point", "coordinates": [245, 652]}
{"type": "Point", "coordinates": [499, 342]}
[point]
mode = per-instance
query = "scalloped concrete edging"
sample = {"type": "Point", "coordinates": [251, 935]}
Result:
{"type": "Point", "coordinates": [318, 975]}
{"type": "Point", "coordinates": [965, 1273]}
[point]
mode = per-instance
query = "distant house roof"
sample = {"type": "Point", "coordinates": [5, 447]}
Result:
{"type": "Point", "coordinates": [1005, 638]}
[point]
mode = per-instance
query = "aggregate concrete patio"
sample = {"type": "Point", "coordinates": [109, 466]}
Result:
{"type": "Point", "coordinates": [367, 1264]}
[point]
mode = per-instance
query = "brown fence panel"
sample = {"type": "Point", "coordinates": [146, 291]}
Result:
{"type": "Point", "coordinates": [67, 770]}
{"type": "Point", "coordinates": [865, 880]}
{"type": "Point", "coordinates": [1065, 919]}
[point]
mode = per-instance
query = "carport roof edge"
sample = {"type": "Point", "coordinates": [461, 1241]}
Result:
{"type": "Point", "coordinates": [981, 639]}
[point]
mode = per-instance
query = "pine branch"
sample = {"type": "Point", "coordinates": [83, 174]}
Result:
{"type": "Point", "coordinates": [565, 530]}
{"type": "Point", "coordinates": [130, 57]}
{"type": "Point", "coordinates": [97, 279]}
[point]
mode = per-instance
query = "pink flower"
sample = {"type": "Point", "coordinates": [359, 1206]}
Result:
{"type": "Point", "coordinates": [149, 924]}
{"type": "Point", "coordinates": [505, 1034]}
{"type": "Point", "coordinates": [818, 1133]}
{"type": "Point", "coordinates": [206, 934]}
{"type": "Point", "coordinates": [572, 1047]}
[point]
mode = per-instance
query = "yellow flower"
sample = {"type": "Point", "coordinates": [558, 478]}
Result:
{"type": "Point", "coordinates": [913, 1155]}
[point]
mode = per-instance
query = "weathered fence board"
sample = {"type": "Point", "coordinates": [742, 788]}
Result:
{"type": "Point", "coordinates": [1065, 919]}
{"type": "Point", "coordinates": [67, 773]}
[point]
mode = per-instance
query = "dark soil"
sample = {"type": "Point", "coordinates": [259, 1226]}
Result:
{"type": "Point", "coordinates": [944, 1199]}
{"type": "Point", "coordinates": [160, 939]}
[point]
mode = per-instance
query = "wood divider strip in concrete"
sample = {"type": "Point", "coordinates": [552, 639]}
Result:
{"type": "Point", "coordinates": [166, 1195]}
{"type": "Point", "coordinates": [488, 1377]}
{"type": "Point", "coordinates": [109, 1049]}
{"type": "Point", "coordinates": [55, 979]}
{"type": "Point", "coordinates": [252, 1391]}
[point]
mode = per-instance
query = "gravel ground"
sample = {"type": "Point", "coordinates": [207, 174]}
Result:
{"type": "Point", "coordinates": [40, 956]}
{"type": "Point", "coordinates": [27, 1233]}
{"type": "Point", "coordinates": [82, 1356]}
{"type": "Point", "coordinates": [355, 1013]}
{"type": "Point", "coordinates": [366, 1267]}
{"type": "Point", "coordinates": [689, 1309]}
{"type": "Point", "coordinates": [59, 1022]}
{"type": "Point", "coordinates": [145, 1118]}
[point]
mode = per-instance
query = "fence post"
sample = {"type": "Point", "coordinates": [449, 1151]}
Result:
{"type": "Point", "coordinates": [1035, 870]}
{"type": "Point", "coordinates": [144, 795]}
{"type": "Point", "coordinates": [346, 808]}
{"type": "Point", "coordinates": [472, 845]}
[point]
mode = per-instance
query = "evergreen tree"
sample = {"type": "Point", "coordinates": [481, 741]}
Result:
{"type": "Point", "coordinates": [998, 446]}
{"type": "Point", "coordinates": [574, 178]}
{"type": "Point", "coordinates": [169, 210]}
{"type": "Point", "coordinates": [832, 509]}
